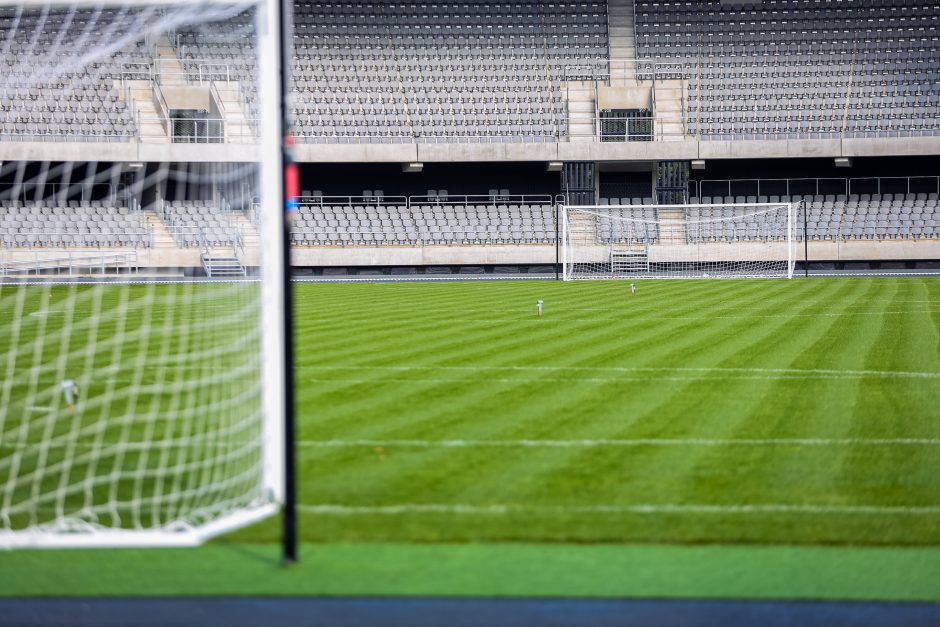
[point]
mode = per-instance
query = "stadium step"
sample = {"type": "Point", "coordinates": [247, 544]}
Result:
{"type": "Point", "coordinates": [582, 228]}
{"type": "Point", "coordinates": [220, 267]}
{"type": "Point", "coordinates": [168, 64]}
{"type": "Point", "coordinates": [141, 100]}
{"type": "Point", "coordinates": [231, 104]}
{"type": "Point", "coordinates": [672, 226]}
{"type": "Point", "coordinates": [581, 108]}
{"type": "Point", "coordinates": [622, 36]}
{"type": "Point", "coordinates": [626, 261]}
{"type": "Point", "coordinates": [668, 96]}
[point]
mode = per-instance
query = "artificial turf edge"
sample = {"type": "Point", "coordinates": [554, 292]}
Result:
{"type": "Point", "coordinates": [481, 570]}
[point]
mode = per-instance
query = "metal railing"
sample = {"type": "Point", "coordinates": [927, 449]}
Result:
{"type": "Point", "coordinates": [199, 130]}
{"type": "Point", "coordinates": [206, 238]}
{"type": "Point", "coordinates": [816, 186]}
{"type": "Point", "coordinates": [68, 263]}
{"type": "Point", "coordinates": [447, 200]}
{"type": "Point", "coordinates": [50, 137]}
{"type": "Point", "coordinates": [74, 239]}
{"type": "Point", "coordinates": [191, 72]}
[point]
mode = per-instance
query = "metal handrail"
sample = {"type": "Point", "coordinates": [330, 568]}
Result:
{"type": "Point", "coordinates": [47, 239]}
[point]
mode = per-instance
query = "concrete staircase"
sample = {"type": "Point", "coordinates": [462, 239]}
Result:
{"type": "Point", "coordinates": [668, 96]}
{"type": "Point", "coordinates": [582, 229]}
{"type": "Point", "coordinates": [161, 235]}
{"type": "Point", "coordinates": [621, 36]}
{"type": "Point", "coordinates": [219, 266]}
{"type": "Point", "coordinates": [672, 226]}
{"type": "Point", "coordinates": [168, 64]}
{"type": "Point", "coordinates": [237, 127]}
{"type": "Point", "coordinates": [581, 110]}
{"type": "Point", "coordinates": [140, 94]}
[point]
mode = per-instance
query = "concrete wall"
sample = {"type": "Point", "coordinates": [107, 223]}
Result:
{"type": "Point", "coordinates": [686, 149]}
{"type": "Point", "coordinates": [335, 256]}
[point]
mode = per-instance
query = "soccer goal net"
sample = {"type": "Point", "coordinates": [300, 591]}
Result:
{"type": "Point", "coordinates": [677, 241]}
{"type": "Point", "coordinates": [141, 403]}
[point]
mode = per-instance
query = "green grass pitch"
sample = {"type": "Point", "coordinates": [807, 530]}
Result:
{"type": "Point", "coordinates": [801, 411]}
{"type": "Point", "coordinates": [715, 412]}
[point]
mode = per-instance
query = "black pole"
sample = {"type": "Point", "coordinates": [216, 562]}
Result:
{"type": "Point", "coordinates": [289, 514]}
{"type": "Point", "coordinates": [805, 241]}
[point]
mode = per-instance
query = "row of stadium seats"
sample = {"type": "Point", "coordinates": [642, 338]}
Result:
{"type": "Point", "coordinates": [790, 69]}
{"type": "Point", "coordinates": [199, 223]}
{"type": "Point", "coordinates": [77, 99]}
{"type": "Point", "coordinates": [501, 221]}
{"type": "Point", "coordinates": [828, 217]}
{"type": "Point", "coordinates": [51, 224]}
{"type": "Point", "coordinates": [424, 224]}
{"type": "Point", "coordinates": [371, 71]}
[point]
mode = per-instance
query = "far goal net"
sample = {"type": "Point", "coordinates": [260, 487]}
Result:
{"type": "Point", "coordinates": [678, 241]}
{"type": "Point", "coordinates": [141, 272]}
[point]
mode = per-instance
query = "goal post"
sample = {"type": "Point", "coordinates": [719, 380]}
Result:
{"type": "Point", "coordinates": [140, 406]}
{"type": "Point", "coordinates": [738, 240]}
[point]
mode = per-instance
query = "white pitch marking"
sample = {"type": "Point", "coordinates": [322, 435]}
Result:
{"type": "Point", "coordinates": [805, 372]}
{"type": "Point", "coordinates": [528, 443]}
{"type": "Point", "coordinates": [39, 408]}
{"type": "Point", "coordinates": [333, 509]}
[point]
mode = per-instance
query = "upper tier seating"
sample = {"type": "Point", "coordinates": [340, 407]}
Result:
{"type": "Point", "coordinates": [408, 70]}
{"type": "Point", "coordinates": [800, 68]}
{"type": "Point", "coordinates": [75, 97]}
{"type": "Point", "coordinates": [49, 223]}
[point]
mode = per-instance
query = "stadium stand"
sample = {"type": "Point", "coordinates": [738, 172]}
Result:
{"type": "Point", "coordinates": [411, 71]}
{"type": "Point", "coordinates": [82, 102]}
{"type": "Point", "coordinates": [51, 224]}
{"type": "Point", "coordinates": [197, 223]}
{"type": "Point", "coordinates": [440, 70]}
{"type": "Point", "coordinates": [425, 220]}
{"type": "Point", "coordinates": [828, 217]}
{"type": "Point", "coordinates": [408, 72]}
{"type": "Point", "coordinates": [796, 68]}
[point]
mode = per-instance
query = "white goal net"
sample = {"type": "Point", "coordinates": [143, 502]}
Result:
{"type": "Point", "coordinates": [677, 241]}
{"type": "Point", "coordinates": [141, 340]}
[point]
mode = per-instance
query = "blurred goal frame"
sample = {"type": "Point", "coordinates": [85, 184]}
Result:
{"type": "Point", "coordinates": [640, 266]}
{"type": "Point", "coordinates": [277, 454]}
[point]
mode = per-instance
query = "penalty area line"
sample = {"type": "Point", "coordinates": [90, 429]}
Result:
{"type": "Point", "coordinates": [500, 509]}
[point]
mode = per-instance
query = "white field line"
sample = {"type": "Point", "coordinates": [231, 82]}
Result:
{"type": "Point", "coordinates": [201, 442]}
{"type": "Point", "coordinates": [621, 379]}
{"type": "Point", "coordinates": [598, 443]}
{"type": "Point", "coordinates": [767, 372]}
{"type": "Point", "coordinates": [642, 317]}
{"type": "Point", "coordinates": [331, 509]}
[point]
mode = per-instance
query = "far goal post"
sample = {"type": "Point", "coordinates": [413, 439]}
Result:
{"type": "Point", "coordinates": [741, 240]}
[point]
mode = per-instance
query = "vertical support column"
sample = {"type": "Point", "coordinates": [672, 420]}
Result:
{"type": "Point", "coordinates": [672, 182]}
{"type": "Point", "coordinates": [579, 182]}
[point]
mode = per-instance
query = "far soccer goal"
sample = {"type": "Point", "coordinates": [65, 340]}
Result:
{"type": "Point", "coordinates": [142, 327]}
{"type": "Point", "coordinates": [678, 241]}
